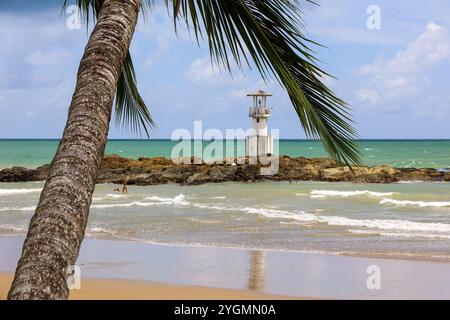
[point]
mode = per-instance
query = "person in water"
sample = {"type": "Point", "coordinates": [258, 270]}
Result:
{"type": "Point", "coordinates": [125, 185]}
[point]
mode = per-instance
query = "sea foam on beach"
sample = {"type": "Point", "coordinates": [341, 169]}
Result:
{"type": "Point", "coordinates": [345, 194]}
{"type": "Point", "coordinates": [422, 204]}
{"type": "Point", "coordinates": [18, 191]}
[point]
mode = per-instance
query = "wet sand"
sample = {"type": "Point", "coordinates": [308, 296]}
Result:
{"type": "Point", "coordinates": [95, 289]}
{"type": "Point", "coordinates": [148, 271]}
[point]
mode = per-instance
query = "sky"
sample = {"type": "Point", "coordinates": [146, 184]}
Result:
{"type": "Point", "coordinates": [390, 60]}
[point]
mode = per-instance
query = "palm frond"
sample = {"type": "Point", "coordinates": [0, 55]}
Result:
{"type": "Point", "coordinates": [130, 109]}
{"type": "Point", "coordinates": [270, 33]}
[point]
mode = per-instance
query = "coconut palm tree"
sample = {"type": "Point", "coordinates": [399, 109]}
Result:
{"type": "Point", "coordinates": [265, 33]}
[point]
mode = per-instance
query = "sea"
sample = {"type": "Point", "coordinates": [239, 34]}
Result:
{"type": "Point", "coordinates": [406, 220]}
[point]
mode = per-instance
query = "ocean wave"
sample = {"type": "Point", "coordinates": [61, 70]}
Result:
{"type": "Point", "coordinates": [116, 196]}
{"type": "Point", "coordinates": [346, 194]}
{"type": "Point", "coordinates": [99, 232]}
{"type": "Point", "coordinates": [125, 205]}
{"type": "Point", "coordinates": [154, 201]}
{"type": "Point", "coordinates": [412, 181]}
{"type": "Point", "coordinates": [402, 234]}
{"type": "Point", "coordinates": [18, 191]}
{"type": "Point", "coordinates": [302, 216]}
{"type": "Point", "coordinates": [12, 228]}
{"type": "Point", "coordinates": [214, 207]}
{"type": "Point", "coordinates": [109, 196]}
{"type": "Point", "coordinates": [383, 227]}
{"type": "Point", "coordinates": [282, 214]}
{"type": "Point", "coordinates": [179, 199]}
{"type": "Point", "coordinates": [380, 224]}
{"type": "Point", "coordinates": [422, 204]}
{"type": "Point", "coordinates": [377, 227]}
{"type": "Point", "coordinates": [204, 221]}
{"type": "Point", "coordinates": [31, 208]}
{"type": "Point", "coordinates": [318, 196]}
{"type": "Point", "coordinates": [387, 224]}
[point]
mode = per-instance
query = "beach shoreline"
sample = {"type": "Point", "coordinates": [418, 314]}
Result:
{"type": "Point", "coordinates": [397, 221]}
{"type": "Point", "coordinates": [116, 289]}
{"type": "Point", "coordinates": [129, 270]}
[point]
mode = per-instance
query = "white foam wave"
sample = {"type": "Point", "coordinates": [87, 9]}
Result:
{"type": "Point", "coordinates": [404, 225]}
{"type": "Point", "coordinates": [109, 196]}
{"type": "Point", "coordinates": [31, 208]}
{"type": "Point", "coordinates": [214, 207]}
{"type": "Point", "coordinates": [346, 194]}
{"type": "Point", "coordinates": [13, 228]}
{"type": "Point", "coordinates": [302, 216]}
{"type": "Point", "coordinates": [409, 181]}
{"type": "Point", "coordinates": [422, 204]}
{"type": "Point", "coordinates": [99, 230]}
{"type": "Point", "coordinates": [387, 227]}
{"type": "Point", "coordinates": [179, 200]}
{"type": "Point", "coordinates": [18, 191]}
{"type": "Point", "coordinates": [380, 224]}
{"type": "Point", "coordinates": [402, 234]}
{"type": "Point", "coordinates": [205, 221]}
{"type": "Point", "coordinates": [302, 194]}
{"type": "Point", "coordinates": [125, 205]}
{"type": "Point", "coordinates": [116, 196]}
{"type": "Point", "coordinates": [154, 201]}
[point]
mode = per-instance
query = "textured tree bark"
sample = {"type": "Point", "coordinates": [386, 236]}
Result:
{"type": "Point", "coordinates": [57, 228]}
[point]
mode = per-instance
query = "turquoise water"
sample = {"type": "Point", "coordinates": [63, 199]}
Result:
{"type": "Point", "coordinates": [404, 220]}
{"type": "Point", "coordinates": [399, 153]}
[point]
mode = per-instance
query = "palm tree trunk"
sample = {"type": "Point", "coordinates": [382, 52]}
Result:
{"type": "Point", "coordinates": [58, 225]}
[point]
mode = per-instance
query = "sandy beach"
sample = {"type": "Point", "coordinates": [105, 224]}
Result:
{"type": "Point", "coordinates": [132, 270]}
{"type": "Point", "coordinates": [95, 289]}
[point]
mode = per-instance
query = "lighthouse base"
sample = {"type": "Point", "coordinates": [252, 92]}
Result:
{"type": "Point", "coordinates": [258, 146]}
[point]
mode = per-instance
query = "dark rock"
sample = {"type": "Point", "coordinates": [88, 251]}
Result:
{"type": "Point", "coordinates": [20, 174]}
{"type": "Point", "coordinates": [153, 171]}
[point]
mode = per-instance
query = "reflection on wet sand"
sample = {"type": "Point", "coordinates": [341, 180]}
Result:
{"type": "Point", "coordinates": [256, 278]}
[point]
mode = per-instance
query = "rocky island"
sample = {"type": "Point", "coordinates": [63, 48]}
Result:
{"type": "Point", "coordinates": [154, 171]}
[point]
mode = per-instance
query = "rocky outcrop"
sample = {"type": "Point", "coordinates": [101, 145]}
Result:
{"type": "Point", "coordinates": [20, 174]}
{"type": "Point", "coordinates": [154, 171]}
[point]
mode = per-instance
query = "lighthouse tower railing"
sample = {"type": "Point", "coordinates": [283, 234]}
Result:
{"type": "Point", "coordinates": [259, 112]}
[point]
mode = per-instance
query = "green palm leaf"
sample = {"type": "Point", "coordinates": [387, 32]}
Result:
{"type": "Point", "coordinates": [270, 33]}
{"type": "Point", "coordinates": [131, 111]}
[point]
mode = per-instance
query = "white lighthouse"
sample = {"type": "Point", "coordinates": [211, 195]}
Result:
{"type": "Point", "coordinates": [259, 144]}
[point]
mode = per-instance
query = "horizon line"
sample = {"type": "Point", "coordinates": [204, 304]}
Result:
{"type": "Point", "coordinates": [284, 139]}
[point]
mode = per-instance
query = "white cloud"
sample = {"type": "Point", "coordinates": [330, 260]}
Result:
{"type": "Point", "coordinates": [426, 51]}
{"type": "Point", "coordinates": [38, 62]}
{"type": "Point", "coordinates": [202, 72]}
{"type": "Point", "coordinates": [158, 31]}
{"type": "Point", "coordinates": [369, 95]}
{"type": "Point", "coordinates": [50, 57]}
{"type": "Point", "coordinates": [409, 70]}
{"type": "Point", "coordinates": [344, 21]}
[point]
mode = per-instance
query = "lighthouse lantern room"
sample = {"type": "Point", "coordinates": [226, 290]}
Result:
{"type": "Point", "coordinates": [259, 144]}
